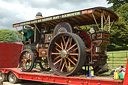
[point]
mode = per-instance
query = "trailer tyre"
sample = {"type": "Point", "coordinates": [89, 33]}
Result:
{"type": "Point", "coordinates": [2, 77]}
{"type": "Point", "coordinates": [12, 78]}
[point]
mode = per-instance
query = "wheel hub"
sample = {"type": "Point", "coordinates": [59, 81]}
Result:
{"type": "Point", "coordinates": [63, 53]}
{"type": "Point", "coordinates": [1, 77]}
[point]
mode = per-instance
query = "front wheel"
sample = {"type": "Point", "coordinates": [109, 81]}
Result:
{"type": "Point", "coordinates": [26, 60]}
{"type": "Point", "coordinates": [66, 54]}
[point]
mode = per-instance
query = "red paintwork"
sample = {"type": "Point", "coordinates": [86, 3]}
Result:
{"type": "Point", "coordinates": [36, 76]}
{"type": "Point", "coordinates": [87, 40]}
{"type": "Point", "coordinates": [126, 75]}
{"type": "Point", "coordinates": [9, 54]}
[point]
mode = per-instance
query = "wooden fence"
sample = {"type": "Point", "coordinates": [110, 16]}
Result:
{"type": "Point", "coordinates": [115, 59]}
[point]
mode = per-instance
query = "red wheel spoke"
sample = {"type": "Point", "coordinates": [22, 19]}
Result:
{"type": "Point", "coordinates": [69, 65]}
{"type": "Point", "coordinates": [74, 58]}
{"type": "Point", "coordinates": [63, 40]}
{"type": "Point", "coordinates": [25, 55]}
{"type": "Point", "coordinates": [67, 43]}
{"type": "Point", "coordinates": [29, 63]}
{"type": "Point", "coordinates": [62, 67]}
{"type": "Point", "coordinates": [60, 63]}
{"type": "Point", "coordinates": [57, 61]}
{"type": "Point", "coordinates": [70, 42]}
{"type": "Point", "coordinates": [71, 61]}
{"type": "Point", "coordinates": [55, 53]}
{"type": "Point", "coordinates": [66, 64]}
{"type": "Point", "coordinates": [58, 45]}
{"type": "Point", "coordinates": [29, 56]}
{"type": "Point", "coordinates": [57, 49]}
{"type": "Point", "coordinates": [25, 65]}
{"type": "Point", "coordinates": [62, 45]}
{"type": "Point", "coordinates": [72, 47]}
{"type": "Point", "coordinates": [56, 58]}
{"type": "Point", "coordinates": [73, 54]}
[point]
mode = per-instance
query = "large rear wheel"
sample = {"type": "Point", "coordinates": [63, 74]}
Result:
{"type": "Point", "coordinates": [66, 54]}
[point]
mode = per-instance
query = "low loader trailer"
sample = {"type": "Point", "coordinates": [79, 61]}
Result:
{"type": "Point", "coordinates": [13, 74]}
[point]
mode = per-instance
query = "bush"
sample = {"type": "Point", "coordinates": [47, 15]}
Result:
{"type": "Point", "coordinates": [8, 36]}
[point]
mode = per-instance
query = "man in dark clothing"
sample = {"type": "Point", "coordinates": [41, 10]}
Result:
{"type": "Point", "coordinates": [38, 36]}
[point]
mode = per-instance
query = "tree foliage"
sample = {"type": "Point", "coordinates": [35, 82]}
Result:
{"type": "Point", "coordinates": [8, 36]}
{"type": "Point", "coordinates": [119, 35]}
{"type": "Point", "coordinates": [123, 12]}
{"type": "Point", "coordinates": [119, 30]}
{"type": "Point", "coordinates": [116, 3]}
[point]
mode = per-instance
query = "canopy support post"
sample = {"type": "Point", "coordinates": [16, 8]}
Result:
{"type": "Point", "coordinates": [109, 23]}
{"type": "Point", "coordinates": [34, 34]}
{"type": "Point", "coordinates": [18, 34]}
{"type": "Point", "coordinates": [36, 28]}
{"type": "Point", "coordinates": [95, 20]}
{"type": "Point", "coordinates": [102, 21]}
{"type": "Point", "coordinates": [23, 33]}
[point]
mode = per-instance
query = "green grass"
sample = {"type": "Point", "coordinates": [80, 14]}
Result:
{"type": "Point", "coordinates": [116, 58]}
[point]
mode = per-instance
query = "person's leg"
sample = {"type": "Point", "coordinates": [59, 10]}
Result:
{"type": "Point", "coordinates": [112, 72]}
{"type": "Point", "coordinates": [103, 71]}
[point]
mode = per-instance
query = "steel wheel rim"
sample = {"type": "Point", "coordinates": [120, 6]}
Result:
{"type": "Point", "coordinates": [12, 78]}
{"type": "Point", "coordinates": [1, 76]}
{"type": "Point", "coordinates": [65, 51]}
{"type": "Point", "coordinates": [26, 61]}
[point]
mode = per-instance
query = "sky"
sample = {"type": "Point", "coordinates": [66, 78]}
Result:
{"type": "Point", "coordinates": [14, 11]}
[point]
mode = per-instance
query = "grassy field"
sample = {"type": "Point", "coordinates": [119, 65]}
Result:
{"type": "Point", "coordinates": [116, 58]}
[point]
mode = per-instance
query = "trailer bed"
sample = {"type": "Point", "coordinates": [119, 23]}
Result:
{"type": "Point", "coordinates": [44, 76]}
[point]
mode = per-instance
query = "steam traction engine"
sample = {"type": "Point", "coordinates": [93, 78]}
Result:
{"type": "Point", "coordinates": [59, 42]}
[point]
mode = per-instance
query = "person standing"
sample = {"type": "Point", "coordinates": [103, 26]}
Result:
{"type": "Point", "coordinates": [39, 15]}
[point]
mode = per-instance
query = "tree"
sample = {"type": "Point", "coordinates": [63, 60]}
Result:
{"type": "Point", "coordinates": [119, 31]}
{"type": "Point", "coordinates": [123, 12]}
{"type": "Point", "coordinates": [8, 36]}
{"type": "Point", "coordinates": [116, 3]}
{"type": "Point", "coordinates": [119, 35]}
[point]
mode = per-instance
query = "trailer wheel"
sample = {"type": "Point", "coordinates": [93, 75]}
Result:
{"type": "Point", "coordinates": [26, 60]}
{"type": "Point", "coordinates": [66, 54]}
{"type": "Point", "coordinates": [12, 78]}
{"type": "Point", "coordinates": [2, 77]}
